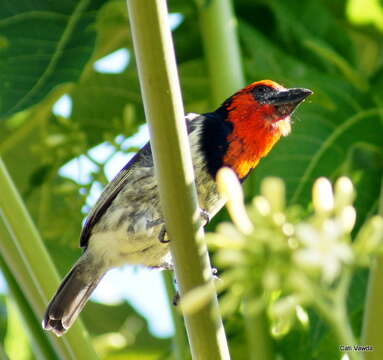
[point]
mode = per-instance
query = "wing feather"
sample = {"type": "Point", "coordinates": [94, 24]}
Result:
{"type": "Point", "coordinates": [144, 158]}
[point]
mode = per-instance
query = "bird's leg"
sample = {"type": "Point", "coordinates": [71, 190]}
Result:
{"type": "Point", "coordinates": [162, 235]}
{"type": "Point", "coordinates": [176, 298]}
{"type": "Point", "coordinates": [206, 217]}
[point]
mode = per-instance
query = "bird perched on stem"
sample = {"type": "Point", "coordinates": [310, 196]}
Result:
{"type": "Point", "coordinates": [126, 226]}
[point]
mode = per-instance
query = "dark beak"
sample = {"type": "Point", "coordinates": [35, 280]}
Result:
{"type": "Point", "coordinates": [288, 96]}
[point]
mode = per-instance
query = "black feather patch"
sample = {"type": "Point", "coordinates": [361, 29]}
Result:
{"type": "Point", "coordinates": [214, 144]}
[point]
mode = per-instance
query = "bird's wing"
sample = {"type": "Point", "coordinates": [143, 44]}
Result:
{"type": "Point", "coordinates": [144, 157]}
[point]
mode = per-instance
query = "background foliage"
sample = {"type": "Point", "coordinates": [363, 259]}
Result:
{"type": "Point", "coordinates": [48, 49]}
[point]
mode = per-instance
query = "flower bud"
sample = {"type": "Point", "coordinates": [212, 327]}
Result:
{"type": "Point", "coordinates": [347, 218]}
{"type": "Point", "coordinates": [344, 193]}
{"type": "Point", "coordinates": [323, 198]}
{"type": "Point", "coordinates": [230, 188]}
{"type": "Point", "coordinates": [302, 316]}
{"type": "Point", "coordinates": [284, 306]}
{"type": "Point", "coordinates": [370, 237]}
{"type": "Point", "coordinates": [282, 313]}
{"type": "Point", "coordinates": [273, 189]}
{"type": "Point", "coordinates": [261, 205]}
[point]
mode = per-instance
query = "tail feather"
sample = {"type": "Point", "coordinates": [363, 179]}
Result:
{"type": "Point", "coordinates": [70, 299]}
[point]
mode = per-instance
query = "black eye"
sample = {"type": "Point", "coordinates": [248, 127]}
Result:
{"type": "Point", "coordinates": [261, 92]}
{"type": "Point", "coordinates": [261, 89]}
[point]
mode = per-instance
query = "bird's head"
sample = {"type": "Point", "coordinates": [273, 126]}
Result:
{"type": "Point", "coordinates": [260, 115]}
{"type": "Point", "coordinates": [265, 103]}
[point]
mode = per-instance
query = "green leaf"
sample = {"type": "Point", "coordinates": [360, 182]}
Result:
{"type": "Point", "coordinates": [16, 342]}
{"type": "Point", "coordinates": [104, 320]}
{"type": "Point", "coordinates": [42, 45]}
{"type": "Point", "coordinates": [106, 105]}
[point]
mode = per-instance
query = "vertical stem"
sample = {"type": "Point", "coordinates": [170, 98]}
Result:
{"type": "Point", "coordinates": [219, 36]}
{"type": "Point", "coordinates": [41, 346]}
{"type": "Point", "coordinates": [335, 313]}
{"type": "Point", "coordinates": [259, 341]}
{"type": "Point", "coordinates": [3, 355]}
{"type": "Point", "coordinates": [341, 325]}
{"type": "Point", "coordinates": [372, 330]}
{"type": "Point", "coordinates": [27, 258]}
{"type": "Point", "coordinates": [179, 340]}
{"type": "Point", "coordinates": [174, 171]}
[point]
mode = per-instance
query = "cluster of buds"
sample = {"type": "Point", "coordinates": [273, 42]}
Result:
{"type": "Point", "coordinates": [273, 256]}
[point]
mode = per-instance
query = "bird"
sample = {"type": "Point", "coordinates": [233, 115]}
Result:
{"type": "Point", "coordinates": [126, 225]}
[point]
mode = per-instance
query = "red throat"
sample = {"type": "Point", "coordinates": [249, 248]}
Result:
{"type": "Point", "coordinates": [254, 133]}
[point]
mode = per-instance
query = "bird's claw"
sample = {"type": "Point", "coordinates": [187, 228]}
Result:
{"type": "Point", "coordinates": [214, 273]}
{"type": "Point", "coordinates": [176, 298]}
{"type": "Point", "coordinates": [162, 235]}
{"type": "Point", "coordinates": [205, 216]}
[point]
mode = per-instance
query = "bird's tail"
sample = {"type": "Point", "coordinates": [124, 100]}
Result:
{"type": "Point", "coordinates": [71, 297]}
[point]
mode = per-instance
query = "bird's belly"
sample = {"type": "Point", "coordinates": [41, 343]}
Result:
{"type": "Point", "coordinates": [118, 247]}
{"type": "Point", "coordinates": [208, 196]}
{"type": "Point", "coordinates": [128, 232]}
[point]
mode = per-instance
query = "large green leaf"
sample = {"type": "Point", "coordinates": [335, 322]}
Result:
{"type": "Point", "coordinates": [43, 44]}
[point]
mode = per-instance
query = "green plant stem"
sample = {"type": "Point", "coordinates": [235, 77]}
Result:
{"type": "Point", "coordinates": [3, 355]}
{"type": "Point", "coordinates": [27, 258]}
{"type": "Point", "coordinates": [174, 171]}
{"type": "Point", "coordinates": [179, 340]}
{"type": "Point", "coordinates": [42, 347]}
{"type": "Point", "coordinates": [344, 333]}
{"type": "Point", "coordinates": [372, 329]}
{"type": "Point", "coordinates": [219, 36]}
{"type": "Point", "coordinates": [336, 317]}
{"type": "Point", "coordinates": [259, 341]}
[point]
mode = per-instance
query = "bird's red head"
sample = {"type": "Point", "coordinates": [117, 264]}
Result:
{"type": "Point", "coordinates": [260, 115]}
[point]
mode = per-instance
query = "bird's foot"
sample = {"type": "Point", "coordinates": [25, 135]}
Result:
{"type": "Point", "coordinates": [162, 235]}
{"type": "Point", "coordinates": [176, 298]}
{"type": "Point", "coordinates": [205, 216]}
{"type": "Point", "coordinates": [214, 273]}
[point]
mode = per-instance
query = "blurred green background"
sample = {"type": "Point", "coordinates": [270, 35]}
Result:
{"type": "Point", "coordinates": [49, 50]}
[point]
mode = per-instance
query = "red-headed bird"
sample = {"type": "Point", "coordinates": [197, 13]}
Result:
{"type": "Point", "coordinates": [126, 225]}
